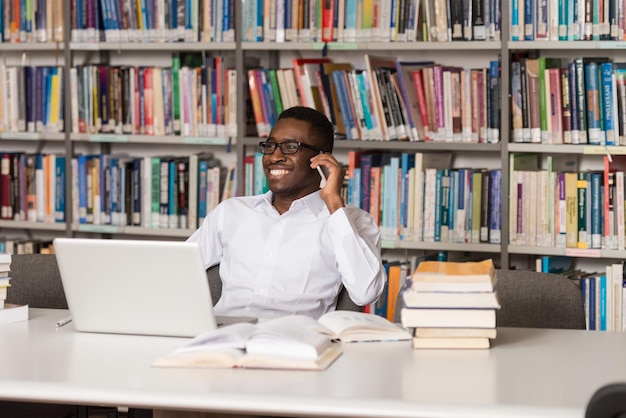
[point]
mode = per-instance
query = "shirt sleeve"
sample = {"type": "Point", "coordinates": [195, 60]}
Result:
{"type": "Point", "coordinates": [207, 236]}
{"type": "Point", "coordinates": [357, 242]}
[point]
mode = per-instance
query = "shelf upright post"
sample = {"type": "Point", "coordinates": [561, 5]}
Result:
{"type": "Point", "coordinates": [242, 86]}
{"type": "Point", "coordinates": [67, 116]}
{"type": "Point", "coordinates": [505, 130]}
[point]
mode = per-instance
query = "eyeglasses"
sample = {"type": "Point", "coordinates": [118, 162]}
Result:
{"type": "Point", "coordinates": [287, 147]}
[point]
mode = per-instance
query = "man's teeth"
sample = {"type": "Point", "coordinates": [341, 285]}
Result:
{"type": "Point", "coordinates": [277, 172]}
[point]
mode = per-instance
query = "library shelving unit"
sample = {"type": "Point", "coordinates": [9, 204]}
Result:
{"type": "Point", "coordinates": [589, 156]}
{"type": "Point", "coordinates": [72, 52]}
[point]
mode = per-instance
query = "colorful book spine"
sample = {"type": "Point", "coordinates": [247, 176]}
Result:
{"type": "Point", "coordinates": [593, 103]}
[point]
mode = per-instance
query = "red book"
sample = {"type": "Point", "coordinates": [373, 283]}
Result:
{"type": "Point", "coordinates": [328, 10]}
{"type": "Point", "coordinates": [5, 187]}
{"type": "Point", "coordinates": [421, 102]}
{"type": "Point", "coordinates": [148, 100]}
{"type": "Point", "coordinates": [298, 68]}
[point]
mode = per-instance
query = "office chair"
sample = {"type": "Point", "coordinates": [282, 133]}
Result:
{"type": "Point", "coordinates": [529, 299]}
{"type": "Point", "coordinates": [608, 402]}
{"type": "Point", "coordinates": [36, 282]}
{"type": "Point", "coordinates": [215, 284]}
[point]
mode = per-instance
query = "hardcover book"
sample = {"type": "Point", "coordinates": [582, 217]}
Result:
{"type": "Point", "coordinates": [454, 276]}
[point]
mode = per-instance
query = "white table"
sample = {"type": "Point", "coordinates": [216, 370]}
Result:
{"type": "Point", "coordinates": [550, 373]}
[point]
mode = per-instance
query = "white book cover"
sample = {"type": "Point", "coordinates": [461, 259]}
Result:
{"type": "Point", "coordinates": [616, 283]}
{"type": "Point", "coordinates": [157, 97]}
{"type": "Point", "coordinates": [430, 176]}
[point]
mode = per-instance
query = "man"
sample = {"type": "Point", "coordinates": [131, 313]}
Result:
{"type": "Point", "coordinates": [290, 250]}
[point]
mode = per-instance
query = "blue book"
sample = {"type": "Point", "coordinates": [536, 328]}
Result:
{"type": "Point", "coordinates": [592, 303]}
{"type": "Point", "coordinates": [370, 119]}
{"type": "Point", "coordinates": [226, 18]}
{"type": "Point", "coordinates": [113, 190]}
{"type": "Point", "coordinates": [563, 7]}
{"type": "Point", "coordinates": [59, 198]}
{"type": "Point", "coordinates": [31, 97]}
{"type": "Point", "coordinates": [344, 104]}
{"type": "Point", "coordinates": [82, 189]}
{"type": "Point", "coordinates": [596, 210]}
{"type": "Point", "coordinates": [493, 133]}
{"type": "Point", "coordinates": [140, 86]}
{"type": "Point", "coordinates": [593, 104]}
{"type": "Point", "coordinates": [260, 181]}
{"type": "Point", "coordinates": [407, 161]}
{"type": "Point", "coordinates": [380, 306]}
{"type": "Point", "coordinates": [495, 207]}
{"type": "Point", "coordinates": [573, 102]}
{"type": "Point", "coordinates": [584, 290]}
{"type": "Point", "coordinates": [607, 105]}
{"type": "Point", "coordinates": [529, 16]}
{"type": "Point", "coordinates": [104, 188]}
{"type": "Point", "coordinates": [174, 15]}
{"type": "Point", "coordinates": [601, 324]}
{"type": "Point", "coordinates": [137, 191]}
{"type": "Point", "coordinates": [444, 229]}
{"type": "Point", "coordinates": [438, 204]}
{"type": "Point", "coordinates": [453, 198]}
{"type": "Point", "coordinates": [203, 166]}
{"type": "Point", "coordinates": [149, 21]}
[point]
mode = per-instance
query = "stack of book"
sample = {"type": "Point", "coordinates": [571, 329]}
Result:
{"type": "Point", "coordinates": [9, 312]}
{"type": "Point", "coordinates": [451, 304]}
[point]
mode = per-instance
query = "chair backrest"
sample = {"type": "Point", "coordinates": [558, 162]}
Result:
{"type": "Point", "coordinates": [215, 284]}
{"type": "Point", "coordinates": [535, 300]}
{"type": "Point", "coordinates": [36, 282]}
{"type": "Point", "coordinates": [539, 300]}
{"type": "Point", "coordinates": [608, 402]}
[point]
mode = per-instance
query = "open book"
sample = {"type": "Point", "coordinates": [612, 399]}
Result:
{"type": "Point", "coordinates": [291, 342]}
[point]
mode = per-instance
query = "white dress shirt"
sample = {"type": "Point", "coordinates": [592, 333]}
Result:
{"type": "Point", "coordinates": [294, 263]}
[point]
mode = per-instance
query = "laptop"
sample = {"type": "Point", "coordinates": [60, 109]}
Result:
{"type": "Point", "coordinates": [135, 287]}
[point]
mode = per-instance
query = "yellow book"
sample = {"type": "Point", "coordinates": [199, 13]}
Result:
{"type": "Point", "coordinates": [55, 97]}
{"type": "Point", "coordinates": [454, 276]}
{"type": "Point", "coordinates": [571, 210]}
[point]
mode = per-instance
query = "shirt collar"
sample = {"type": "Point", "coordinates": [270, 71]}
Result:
{"type": "Point", "coordinates": [312, 201]}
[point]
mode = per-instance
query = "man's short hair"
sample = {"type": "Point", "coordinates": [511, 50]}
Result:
{"type": "Point", "coordinates": [320, 126]}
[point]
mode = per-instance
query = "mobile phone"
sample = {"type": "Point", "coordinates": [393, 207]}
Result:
{"type": "Point", "coordinates": [323, 173]}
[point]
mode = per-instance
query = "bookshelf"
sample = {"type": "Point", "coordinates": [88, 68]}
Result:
{"type": "Point", "coordinates": [76, 52]}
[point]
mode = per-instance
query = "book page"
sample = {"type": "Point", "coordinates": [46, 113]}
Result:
{"type": "Point", "coordinates": [232, 336]}
{"type": "Point", "coordinates": [349, 326]}
{"type": "Point", "coordinates": [290, 336]}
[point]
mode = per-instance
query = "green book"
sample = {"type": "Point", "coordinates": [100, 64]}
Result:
{"type": "Point", "coordinates": [276, 91]}
{"type": "Point", "coordinates": [176, 93]}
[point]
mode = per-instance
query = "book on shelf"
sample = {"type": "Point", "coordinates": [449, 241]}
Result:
{"type": "Point", "coordinates": [467, 276]}
{"type": "Point", "coordinates": [290, 342]}
{"type": "Point", "coordinates": [13, 313]}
